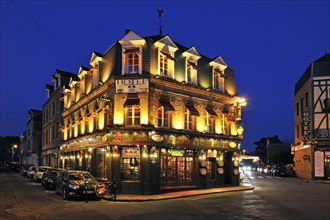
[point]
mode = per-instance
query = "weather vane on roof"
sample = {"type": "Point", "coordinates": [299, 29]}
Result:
{"type": "Point", "coordinates": [160, 11]}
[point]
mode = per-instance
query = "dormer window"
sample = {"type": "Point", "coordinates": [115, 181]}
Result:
{"type": "Point", "coordinates": [131, 60]}
{"type": "Point", "coordinates": [192, 56]}
{"type": "Point", "coordinates": [131, 53]}
{"type": "Point", "coordinates": [218, 80]}
{"type": "Point", "coordinates": [218, 72]}
{"type": "Point", "coordinates": [192, 72]}
{"type": "Point", "coordinates": [166, 49]}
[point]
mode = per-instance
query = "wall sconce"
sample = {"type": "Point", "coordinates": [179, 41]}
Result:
{"type": "Point", "coordinates": [145, 151]}
{"type": "Point", "coordinates": [202, 155]}
{"type": "Point", "coordinates": [240, 129]}
{"type": "Point", "coordinates": [153, 152]}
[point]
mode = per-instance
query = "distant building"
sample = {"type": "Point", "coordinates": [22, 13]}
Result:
{"type": "Point", "coordinates": [312, 121]}
{"type": "Point", "coordinates": [52, 120]}
{"type": "Point", "coordinates": [152, 114]}
{"type": "Point", "coordinates": [33, 137]}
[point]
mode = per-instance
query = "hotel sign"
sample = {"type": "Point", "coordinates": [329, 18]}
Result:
{"type": "Point", "coordinates": [132, 85]}
{"type": "Point", "coordinates": [306, 122]}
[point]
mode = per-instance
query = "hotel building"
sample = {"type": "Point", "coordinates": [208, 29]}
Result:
{"type": "Point", "coordinates": [154, 115]}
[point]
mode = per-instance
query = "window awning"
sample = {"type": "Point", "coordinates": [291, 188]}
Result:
{"type": "Point", "coordinates": [193, 65]}
{"type": "Point", "coordinates": [167, 105]}
{"type": "Point", "coordinates": [211, 112]}
{"type": "Point", "coordinates": [228, 116]}
{"type": "Point", "coordinates": [169, 56]}
{"type": "Point", "coordinates": [130, 102]}
{"type": "Point", "coordinates": [192, 110]}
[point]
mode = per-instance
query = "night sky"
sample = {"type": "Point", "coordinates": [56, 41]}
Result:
{"type": "Point", "coordinates": [269, 44]}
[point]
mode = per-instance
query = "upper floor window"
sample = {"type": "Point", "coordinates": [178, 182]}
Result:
{"type": "Point", "coordinates": [218, 80]}
{"type": "Point", "coordinates": [192, 72]}
{"type": "Point", "coordinates": [189, 122]}
{"type": "Point", "coordinates": [132, 114]}
{"type": "Point", "coordinates": [164, 118]}
{"type": "Point", "coordinates": [209, 122]}
{"type": "Point", "coordinates": [166, 64]}
{"type": "Point", "coordinates": [131, 60]}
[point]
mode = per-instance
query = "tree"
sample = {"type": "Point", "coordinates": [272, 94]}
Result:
{"type": "Point", "coordinates": [6, 144]}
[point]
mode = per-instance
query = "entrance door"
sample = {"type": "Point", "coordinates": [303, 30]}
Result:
{"type": "Point", "coordinates": [176, 170]}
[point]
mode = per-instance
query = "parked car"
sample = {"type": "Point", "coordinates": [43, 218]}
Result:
{"type": "Point", "coordinates": [39, 172]}
{"type": "Point", "coordinates": [24, 169]}
{"type": "Point", "coordinates": [49, 178]}
{"type": "Point", "coordinates": [31, 171]}
{"type": "Point", "coordinates": [74, 183]}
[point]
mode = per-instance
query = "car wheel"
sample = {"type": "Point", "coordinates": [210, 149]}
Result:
{"type": "Point", "coordinates": [65, 194]}
{"type": "Point", "coordinates": [46, 187]}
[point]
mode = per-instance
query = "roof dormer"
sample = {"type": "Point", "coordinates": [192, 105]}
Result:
{"type": "Point", "coordinates": [96, 58]}
{"type": "Point", "coordinates": [166, 45]}
{"type": "Point", "coordinates": [192, 53]}
{"type": "Point", "coordinates": [219, 62]}
{"type": "Point", "coordinates": [131, 38]}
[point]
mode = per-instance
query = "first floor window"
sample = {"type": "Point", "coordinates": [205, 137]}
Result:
{"type": "Point", "coordinates": [132, 114]}
{"type": "Point", "coordinates": [164, 118]}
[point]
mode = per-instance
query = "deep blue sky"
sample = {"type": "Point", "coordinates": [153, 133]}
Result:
{"type": "Point", "coordinates": [269, 44]}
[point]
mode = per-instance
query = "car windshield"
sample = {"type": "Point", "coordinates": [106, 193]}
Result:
{"type": "Point", "coordinates": [42, 169]}
{"type": "Point", "coordinates": [52, 173]}
{"type": "Point", "coordinates": [80, 176]}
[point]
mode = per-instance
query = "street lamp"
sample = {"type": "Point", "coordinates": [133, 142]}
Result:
{"type": "Point", "coordinates": [13, 151]}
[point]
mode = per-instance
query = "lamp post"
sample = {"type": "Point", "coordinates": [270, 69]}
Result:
{"type": "Point", "coordinates": [13, 147]}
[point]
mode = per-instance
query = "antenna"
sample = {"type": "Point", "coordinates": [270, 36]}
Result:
{"type": "Point", "coordinates": [160, 11]}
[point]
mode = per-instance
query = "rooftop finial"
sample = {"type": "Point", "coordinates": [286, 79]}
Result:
{"type": "Point", "coordinates": [160, 11]}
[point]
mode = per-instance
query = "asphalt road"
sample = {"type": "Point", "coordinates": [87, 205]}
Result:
{"type": "Point", "coordinates": [272, 198]}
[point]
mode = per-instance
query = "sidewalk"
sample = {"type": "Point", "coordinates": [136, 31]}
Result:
{"type": "Point", "coordinates": [180, 194]}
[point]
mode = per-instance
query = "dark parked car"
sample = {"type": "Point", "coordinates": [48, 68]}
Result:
{"type": "Point", "coordinates": [49, 178]}
{"type": "Point", "coordinates": [74, 183]}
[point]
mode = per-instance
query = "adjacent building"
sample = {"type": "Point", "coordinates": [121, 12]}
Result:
{"type": "Point", "coordinates": [52, 120]}
{"type": "Point", "coordinates": [312, 121]}
{"type": "Point", "coordinates": [30, 140]}
{"type": "Point", "coordinates": [152, 114]}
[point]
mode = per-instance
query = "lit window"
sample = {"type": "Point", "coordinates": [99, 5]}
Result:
{"type": "Point", "coordinates": [218, 80]}
{"type": "Point", "coordinates": [164, 118]}
{"type": "Point", "coordinates": [166, 64]}
{"type": "Point", "coordinates": [209, 123]}
{"type": "Point", "coordinates": [132, 114]}
{"type": "Point", "coordinates": [188, 123]}
{"type": "Point", "coordinates": [131, 61]}
{"type": "Point", "coordinates": [191, 72]}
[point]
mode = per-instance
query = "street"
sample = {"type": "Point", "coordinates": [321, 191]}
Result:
{"type": "Point", "coordinates": [272, 198]}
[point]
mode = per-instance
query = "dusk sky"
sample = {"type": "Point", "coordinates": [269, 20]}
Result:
{"type": "Point", "coordinates": [269, 44]}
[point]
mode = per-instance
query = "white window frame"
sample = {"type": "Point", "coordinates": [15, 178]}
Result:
{"type": "Point", "coordinates": [164, 63]}
{"type": "Point", "coordinates": [134, 119]}
{"type": "Point", "coordinates": [191, 72]}
{"type": "Point", "coordinates": [125, 60]}
{"type": "Point", "coordinates": [188, 120]}
{"type": "Point", "coordinates": [164, 116]}
{"type": "Point", "coordinates": [218, 80]}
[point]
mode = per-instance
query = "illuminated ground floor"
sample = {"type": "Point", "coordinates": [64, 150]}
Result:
{"type": "Point", "coordinates": [146, 162]}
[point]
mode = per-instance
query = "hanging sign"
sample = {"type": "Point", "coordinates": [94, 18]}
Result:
{"type": "Point", "coordinates": [101, 189]}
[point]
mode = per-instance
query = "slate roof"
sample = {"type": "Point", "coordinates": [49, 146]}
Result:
{"type": "Point", "coordinates": [320, 67]}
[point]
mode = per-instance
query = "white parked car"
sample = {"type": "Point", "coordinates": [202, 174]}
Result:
{"type": "Point", "coordinates": [39, 172]}
{"type": "Point", "coordinates": [31, 171]}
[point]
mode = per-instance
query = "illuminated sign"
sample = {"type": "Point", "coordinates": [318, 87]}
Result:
{"type": "Point", "coordinates": [130, 152]}
{"type": "Point", "coordinates": [132, 85]}
{"type": "Point", "coordinates": [306, 121]}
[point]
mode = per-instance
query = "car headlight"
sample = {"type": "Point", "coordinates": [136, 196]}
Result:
{"type": "Point", "coordinates": [72, 186]}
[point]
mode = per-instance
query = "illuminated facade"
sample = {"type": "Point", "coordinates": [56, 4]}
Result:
{"type": "Point", "coordinates": [51, 117]}
{"type": "Point", "coordinates": [152, 113]}
{"type": "Point", "coordinates": [312, 121]}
